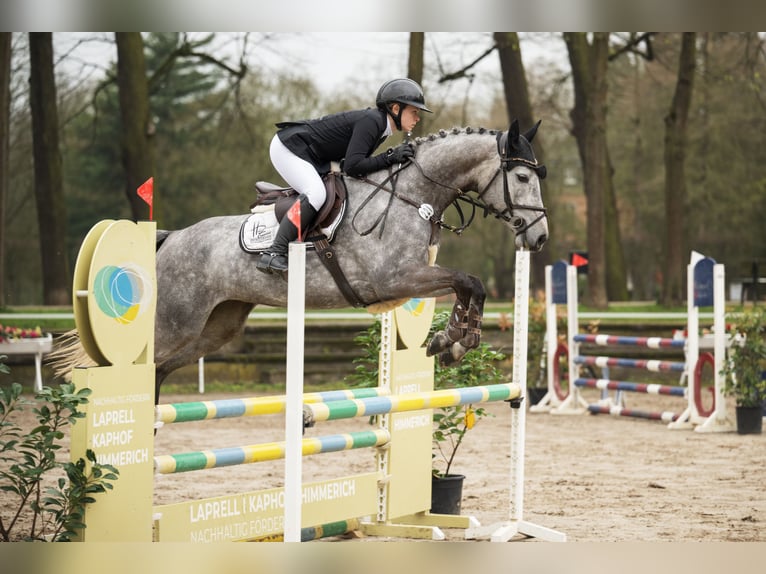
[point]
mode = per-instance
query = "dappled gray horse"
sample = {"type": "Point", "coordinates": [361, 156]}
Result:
{"type": "Point", "coordinates": [207, 285]}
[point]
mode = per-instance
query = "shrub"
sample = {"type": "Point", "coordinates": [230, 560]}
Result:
{"type": "Point", "coordinates": [28, 458]}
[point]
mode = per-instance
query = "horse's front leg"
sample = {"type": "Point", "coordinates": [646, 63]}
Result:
{"type": "Point", "coordinates": [463, 331]}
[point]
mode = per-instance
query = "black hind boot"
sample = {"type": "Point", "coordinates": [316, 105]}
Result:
{"type": "Point", "coordinates": [274, 259]}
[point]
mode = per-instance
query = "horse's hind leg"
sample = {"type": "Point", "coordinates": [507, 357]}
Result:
{"type": "Point", "coordinates": [463, 331]}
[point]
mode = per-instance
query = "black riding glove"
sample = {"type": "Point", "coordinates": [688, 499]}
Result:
{"type": "Point", "coordinates": [399, 154]}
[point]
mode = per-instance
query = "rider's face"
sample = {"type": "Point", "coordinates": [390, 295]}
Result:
{"type": "Point", "coordinates": [410, 118]}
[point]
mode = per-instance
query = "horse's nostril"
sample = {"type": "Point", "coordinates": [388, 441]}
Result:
{"type": "Point", "coordinates": [541, 241]}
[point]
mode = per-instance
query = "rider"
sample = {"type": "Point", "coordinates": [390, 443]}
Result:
{"type": "Point", "coordinates": [302, 151]}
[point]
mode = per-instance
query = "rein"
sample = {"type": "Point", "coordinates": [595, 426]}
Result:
{"type": "Point", "coordinates": [426, 211]}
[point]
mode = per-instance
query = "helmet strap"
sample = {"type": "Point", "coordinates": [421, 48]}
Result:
{"type": "Point", "coordinates": [397, 117]}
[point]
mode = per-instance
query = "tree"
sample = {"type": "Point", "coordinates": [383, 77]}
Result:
{"type": "Point", "coordinates": [137, 125]}
{"type": "Point", "coordinates": [676, 130]}
{"type": "Point", "coordinates": [5, 119]}
{"type": "Point", "coordinates": [49, 189]}
{"type": "Point", "coordinates": [518, 106]}
{"type": "Point", "coordinates": [589, 123]}
{"type": "Point", "coordinates": [415, 65]}
{"type": "Point", "coordinates": [498, 249]}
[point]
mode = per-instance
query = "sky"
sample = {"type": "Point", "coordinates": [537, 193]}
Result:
{"type": "Point", "coordinates": [340, 61]}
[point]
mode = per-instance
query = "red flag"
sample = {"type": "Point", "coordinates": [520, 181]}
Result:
{"type": "Point", "coordinates": [146, 192]}
{"type": "Point", "coordinates": [294, 215]}
{"type": "Point", "coordinates": [578, 260]}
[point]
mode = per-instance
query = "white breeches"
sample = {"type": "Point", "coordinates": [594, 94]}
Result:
{"type": "Point", "coordinates": [298, 173]}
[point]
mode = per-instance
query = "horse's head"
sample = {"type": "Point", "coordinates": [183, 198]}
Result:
{"type": "Point", "coordinates": [516, 196]}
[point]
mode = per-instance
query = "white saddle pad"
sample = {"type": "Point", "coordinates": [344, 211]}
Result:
{"type": "Point", "coordinates": [259, 230]}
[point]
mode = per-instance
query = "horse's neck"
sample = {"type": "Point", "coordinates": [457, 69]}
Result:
{"type": "Point", "coordinates": [456, 163]}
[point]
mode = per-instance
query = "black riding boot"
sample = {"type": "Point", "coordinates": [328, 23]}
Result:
{"type": "Point", "coordinates": [274, 260]}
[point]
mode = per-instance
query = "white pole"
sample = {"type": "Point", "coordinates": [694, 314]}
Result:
{"type": "Point", "coordinates": [201, 375]}
{"type": "Point", "coordinates": [574, 403]}
{"type": "Point", "coordinates": [719, 420]}
{"type": "Point", "coordinates": [296, 305]}
{"type": "Point", "coordinates": [690, 416]}
{"type": "Point", "coordinates": [551, 334]}
{"type": "Point", "coordinates": [520, 335]}
{"type": "Point", "coordinates": [504, 531]}
{"type": "Point", "coordinates": [692, 341]}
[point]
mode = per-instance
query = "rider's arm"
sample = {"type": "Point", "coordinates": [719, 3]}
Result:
{"type": "Point", "coordinates": [365, 137]}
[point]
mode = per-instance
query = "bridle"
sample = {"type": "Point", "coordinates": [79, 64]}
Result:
{"type": "Point", "coordinates": [507, 162]}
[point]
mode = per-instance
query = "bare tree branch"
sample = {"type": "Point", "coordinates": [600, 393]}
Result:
{"type": "Point", "coordinates": [632, 47]}
{"type": "Point", "coordinates": [463, 72]}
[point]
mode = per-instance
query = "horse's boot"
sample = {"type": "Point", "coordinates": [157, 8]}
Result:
{"type": "Point", "coordinates": [274, 260]}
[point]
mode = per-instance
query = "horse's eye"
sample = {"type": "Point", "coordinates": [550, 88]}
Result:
{"type": "Point", "coordinates": [522, 177]}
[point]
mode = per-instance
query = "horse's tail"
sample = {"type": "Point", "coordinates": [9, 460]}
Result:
{"type": "Point", "coordinates": [67, 354]}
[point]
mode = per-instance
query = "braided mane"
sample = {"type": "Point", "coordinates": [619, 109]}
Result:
{"type": "Point", "coordinates": [454, 131]}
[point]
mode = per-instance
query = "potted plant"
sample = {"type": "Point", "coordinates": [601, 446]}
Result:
{"type": "Point", "coordinates": [745, 370]}
{"type": "Point", "coordinates": [479, 366]}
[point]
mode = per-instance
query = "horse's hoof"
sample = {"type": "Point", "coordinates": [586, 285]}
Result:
{"type": "Point", "coordinates": [437, 344]}
{"type": "Point", "coordinates": [457, 351]}
{"type": "Point", "coordinates": [446, 359]}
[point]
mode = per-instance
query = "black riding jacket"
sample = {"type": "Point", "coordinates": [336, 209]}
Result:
{"type": "Point", "coordinates": [349, 136]}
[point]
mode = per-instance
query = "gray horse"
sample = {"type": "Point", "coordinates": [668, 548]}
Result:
{"type": "Point", "coordinates": [386, 244]}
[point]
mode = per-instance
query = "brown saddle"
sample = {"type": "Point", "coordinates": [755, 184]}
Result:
{"type": "Point", "coordinates": [284, 197]}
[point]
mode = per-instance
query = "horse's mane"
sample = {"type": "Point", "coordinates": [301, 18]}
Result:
{"type": "Point", "coordinates": [454, 131]}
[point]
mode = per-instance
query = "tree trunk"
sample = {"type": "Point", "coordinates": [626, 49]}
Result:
{"type": "Point", "coordinates": [5, 119]}
{"type": "Point", "coordinates": [49, 189]}
{"type": "Point", "coordinates": [415, 66]}
{"type": "Point", "coordinates": [589, 76]}
{"type": "Point", "coordinates": [676, 127]}
{"type": "Point", "coordinates": [137, 126]}
{"type": "Point", "coordinates": [518, 106]}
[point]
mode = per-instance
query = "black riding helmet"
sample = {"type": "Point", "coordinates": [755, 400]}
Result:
{"type": "Point", "coordinates": [401, 91]}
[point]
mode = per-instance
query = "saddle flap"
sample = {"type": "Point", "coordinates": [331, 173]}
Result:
{"type": "Point", "coordinates": [283, 197]}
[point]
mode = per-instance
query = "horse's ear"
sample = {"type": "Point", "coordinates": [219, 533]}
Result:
{"type": "Point", "coordinates": [530, 134]}
{"type": "Point", "coordinates": [513, 132]}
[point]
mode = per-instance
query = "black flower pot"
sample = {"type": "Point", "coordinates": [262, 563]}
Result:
{"type": "Point", "coordinates": [446, 494]}
{"type": "Point", "coordinates": [749, 420]}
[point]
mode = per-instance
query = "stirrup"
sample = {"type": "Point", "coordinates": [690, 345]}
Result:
{"type": "Point", "coordinates": [271, 263]}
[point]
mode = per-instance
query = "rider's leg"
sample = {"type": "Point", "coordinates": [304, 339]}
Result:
{"type": "Point", "coordinates": [274, 259]}
{"type": "Point", "coordinates": [303, 177]}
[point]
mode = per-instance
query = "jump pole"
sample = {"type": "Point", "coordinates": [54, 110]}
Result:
{"type": "Point", "coordinates": [504, 531]}
{"type": "Point", "coordinates": [719, 420]}
{"type": "Point", "coordinates": [550, 400]}
{"type": "Point", "coordinates": [296, 305]}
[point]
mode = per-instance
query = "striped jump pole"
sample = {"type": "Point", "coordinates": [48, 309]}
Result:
{"type": "Point", "coordinates": [655, 366]}
{"type": "Point", "coordinates": [616, 410]}
{"type": "Point", "coordinates": [205, 459]}
{"type": "Point", "coordinates": [353, 408]}
{"type": "Point", "coordinates": [649, 342]}
{"type": "Point", "coordinates": [646, 388]}
{"type": "Point", "coordinates": [250, 406]}
{"type": "Point", "coordinates": [309, 533]}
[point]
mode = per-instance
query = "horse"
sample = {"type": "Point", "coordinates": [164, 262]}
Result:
{"type": "Point", "coordinates": [386, 245]}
